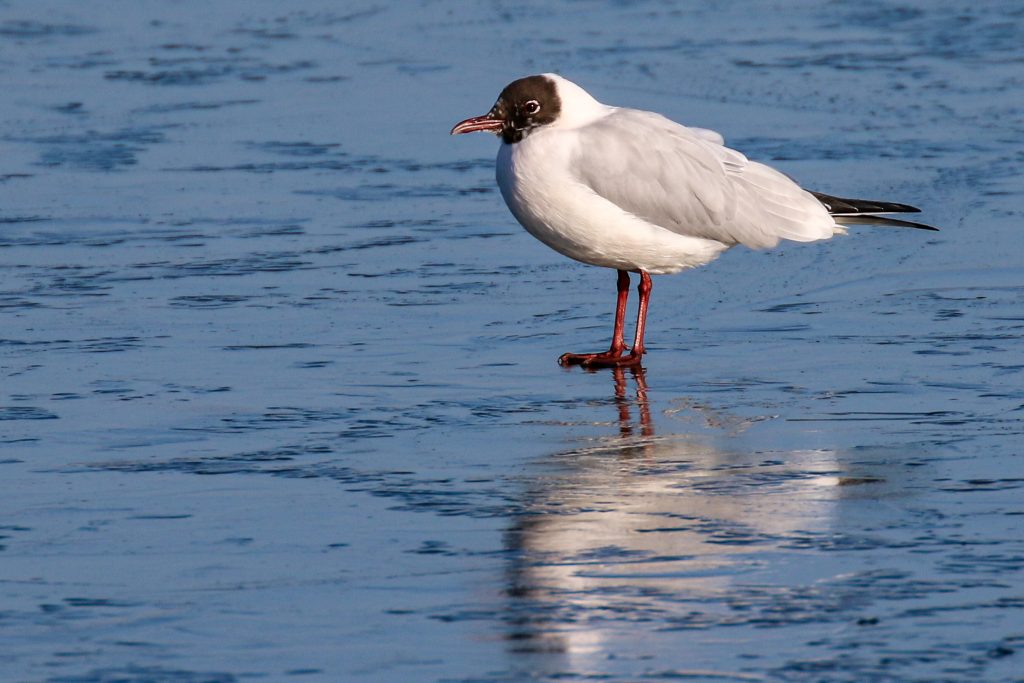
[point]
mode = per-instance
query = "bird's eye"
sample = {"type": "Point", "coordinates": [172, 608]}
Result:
{"type": "Point", "coordinates": [532, 107]}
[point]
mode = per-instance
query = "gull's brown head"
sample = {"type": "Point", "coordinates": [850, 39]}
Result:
{"type": "Point", "coordinates": [523, 106]}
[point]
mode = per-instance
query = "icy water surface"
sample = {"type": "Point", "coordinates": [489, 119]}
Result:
{"type": "Point", "coordinates": [278, 398]}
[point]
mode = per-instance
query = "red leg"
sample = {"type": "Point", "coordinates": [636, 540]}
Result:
{"type": "Point", "coordinates": [645, 287]}
{"type": "Point", "coordinates": [636, 354]}
{"type": "Point", "coordinates": [618, 335]}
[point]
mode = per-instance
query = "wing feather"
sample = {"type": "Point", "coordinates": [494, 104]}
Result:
{"type": "Point", "coordinates": [685, 180]}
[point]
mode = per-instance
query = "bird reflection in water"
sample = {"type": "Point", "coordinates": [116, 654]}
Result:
{"type": "Point", "coordinates": [627, 428]}
{"type": "Point", "coordinates": [637, 528]}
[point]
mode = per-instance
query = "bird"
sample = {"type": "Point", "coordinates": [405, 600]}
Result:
{"type": "Point", "coordinates": [634, 191]}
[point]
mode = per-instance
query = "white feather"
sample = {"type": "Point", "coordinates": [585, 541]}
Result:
{"type": "Point", "coordinates": [633, 190]}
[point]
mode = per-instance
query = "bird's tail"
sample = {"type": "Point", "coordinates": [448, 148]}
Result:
{"type": "Point", "coordinates": [860, 211]}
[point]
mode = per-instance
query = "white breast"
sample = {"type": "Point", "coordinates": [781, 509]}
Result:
{"type": "Point", "coordinates": [537, 182]}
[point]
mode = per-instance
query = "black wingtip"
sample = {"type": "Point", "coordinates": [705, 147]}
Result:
{"type": "Point", "coordinates": [842, 206]}
{"type": "Point", "coordinates": [884, 221]}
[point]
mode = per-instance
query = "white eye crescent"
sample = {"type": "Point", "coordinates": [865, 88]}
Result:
{"type": "Point", "coordinates": [532, 107]}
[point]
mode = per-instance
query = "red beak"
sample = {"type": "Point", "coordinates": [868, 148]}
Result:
{"type": "Point", "coordinates": [486, 122]}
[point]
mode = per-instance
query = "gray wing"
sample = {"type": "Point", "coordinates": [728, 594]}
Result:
{"type": "Point", "coordinates": [686, 181]}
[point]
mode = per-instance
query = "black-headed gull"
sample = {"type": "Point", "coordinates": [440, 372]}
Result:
{"type": "Point", "coordinates": [634, 191]}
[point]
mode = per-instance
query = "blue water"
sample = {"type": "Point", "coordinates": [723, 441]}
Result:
{"type": "Point", "coordinates": [237, 240]}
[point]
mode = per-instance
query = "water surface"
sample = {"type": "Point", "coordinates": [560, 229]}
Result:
{"type": "Point", "coordinates": [278, 397]}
